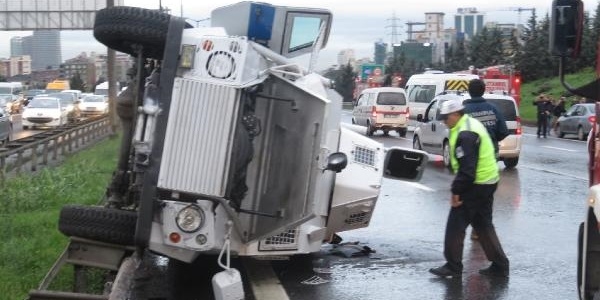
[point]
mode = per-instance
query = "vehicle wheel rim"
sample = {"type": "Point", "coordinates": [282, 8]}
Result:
{"type": "Point", "coordinates": [446, 154]}
{"type": "Point", "coordinates": [580, 134]}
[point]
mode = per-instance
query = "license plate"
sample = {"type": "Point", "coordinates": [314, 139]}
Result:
{"type": "Point", "coordinates": [390, 116]}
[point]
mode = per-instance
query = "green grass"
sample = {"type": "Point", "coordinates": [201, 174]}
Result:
{"type": "Point", "coordinates": [29, 214]}
{"type": "Point", "coordinates": [552, 87]}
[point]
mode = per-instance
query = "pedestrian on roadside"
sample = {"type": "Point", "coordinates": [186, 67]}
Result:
{"type": "Point", "coordinates": [559, 109]}
{"type": "Point", "coordinates": [489, 115]}
{"type": "Point", "coordinates": [473, 161]}
{"type": "Point", "coordinates": [542, 104]}
{"type": "Point", "coordinates": [549, 116]}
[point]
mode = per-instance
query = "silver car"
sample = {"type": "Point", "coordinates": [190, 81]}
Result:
{"type": "Point", "coordinates": [431, 134]}
{"type": "Point", "coordinates": [577, 120]}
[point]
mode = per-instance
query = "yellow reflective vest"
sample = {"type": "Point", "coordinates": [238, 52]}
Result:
{"type": "Point", "coordinates": [487, 167]}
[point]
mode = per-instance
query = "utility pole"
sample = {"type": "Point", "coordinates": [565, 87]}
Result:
{"type": "Point", "coordinates": [112, 84]}
{"type": "Point", "coordinates": [394, 26]}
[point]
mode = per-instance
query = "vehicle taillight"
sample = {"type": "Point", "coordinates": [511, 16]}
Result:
{"type": "Point", "coordinates": [374, 112]}
{"type": "Point", "coordinates": [592, 119]}
{"type": "Point", "coordinates": [518, 131]}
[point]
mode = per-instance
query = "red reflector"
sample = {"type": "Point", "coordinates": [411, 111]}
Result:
{"type": "Point", "coordinates": [519, 129]}
{"type": "Point", "coordinates": [592, 119]}
{"type": "Point", "coordinates": [175, 237]}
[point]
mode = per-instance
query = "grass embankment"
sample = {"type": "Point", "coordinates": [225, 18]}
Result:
{"type": "Point", "coordinates": [552, 87]}
{"type": "Point", "coordinates": [29, 212]}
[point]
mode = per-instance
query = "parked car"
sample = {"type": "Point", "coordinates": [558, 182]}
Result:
{"type": "Point", "coordinates": [5, 127]}
{"type": "Point", "coordinates": [93, 105]}
{"type": "Point", "coordinates": [578, 119]}
{"type": "Point", "coordinates": [71, 103]}
{"type": "Point", "coordinates": [383, 108]}
{"type": "Point", "coordinates": [44, 112]}
{"type": "Point", "coordinates": [431, 134]}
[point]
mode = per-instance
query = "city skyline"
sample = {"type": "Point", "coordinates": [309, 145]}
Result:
{"type": "Point", "coordinates": [356, 27]}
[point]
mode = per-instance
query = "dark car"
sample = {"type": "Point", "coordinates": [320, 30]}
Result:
{"type": "Point", "coordinates": [577, 120]}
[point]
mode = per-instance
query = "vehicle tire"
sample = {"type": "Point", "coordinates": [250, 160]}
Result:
{"type": "Point", "coordinates": [417, 143]}
{"type": "Point", "coordinates": [446, 154]}
{"type": "Point", "coordinates": [592, 288]}
{"type": "Point", "coordinates": [353, 122]}
{"type": "Point", "coordinates": [560, 133]}
{"type": "Point", "coordinates": [512, 162]}
{"type": "Point", "coordinates": [402, 132]}
{"type": "Point", "coordinates": [580, 134]}
{"type": "Point", "coordinates": [386, 132]}
{"type": "Point", "coordinates": [25, 127]}
{"type": "Point", "coordinates": [98, 223]}
{"type": "Point", "coordinates": [123, 27]}
{"type": "Point", "coordinates": [370, 129]}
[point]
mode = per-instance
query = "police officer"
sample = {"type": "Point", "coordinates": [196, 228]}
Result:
{"type": "Point", "coordinates": [478, 108]}
{"type": "Point", "coordinates": [473, 161]}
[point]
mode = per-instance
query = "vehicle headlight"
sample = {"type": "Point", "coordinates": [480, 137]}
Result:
{"type": "Point", "coordinates": [190, 218]}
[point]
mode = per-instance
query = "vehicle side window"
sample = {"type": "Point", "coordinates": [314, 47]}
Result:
{"type": "Point", "coordinates": [361, 100]}
{"type": "Point", "coordinates": [421, 93]}
{"type": "Point", "coordinates": [370, 99]}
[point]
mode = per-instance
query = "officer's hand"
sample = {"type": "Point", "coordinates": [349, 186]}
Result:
{"type": "Point", "coordinates": [455, 201]}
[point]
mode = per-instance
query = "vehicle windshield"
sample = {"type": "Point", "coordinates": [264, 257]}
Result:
{"type": "Point", "coordinates": [506, 108]}
{"type": "Point", "coordinates": [33, 92]}
{"type": "Point", "coordinates": [65, 98]}
{"type": "Point", "coordinates": [43, 103]}
{"type": "Point", "coordinates": [391, 98]}
{"type": "Point", "coordinates": [93, 99]}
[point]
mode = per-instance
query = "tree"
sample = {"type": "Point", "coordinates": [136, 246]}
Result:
{"type": "Point", "coordinates": [344, 82]}
{"type": "Point", "coordinates": [76, 82]}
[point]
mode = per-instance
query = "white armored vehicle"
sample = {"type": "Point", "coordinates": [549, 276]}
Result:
{"type": "Point", "coordinates": [228, 145]}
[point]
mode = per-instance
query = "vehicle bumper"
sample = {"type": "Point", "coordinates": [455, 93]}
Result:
{"type": "Point", "coordinates": [41, 122]}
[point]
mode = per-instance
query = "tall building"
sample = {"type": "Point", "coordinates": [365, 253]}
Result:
{"type": "Point", "coordinates": [380, 52]}
{"type": "Point", "coordinates": [468, 22]}
{"type": "Point", "coordinates": [44, 50]}
{"type": "Point", "coordinates": [346, 56]}
{"type": "Point", "coordinates": [16, 46]}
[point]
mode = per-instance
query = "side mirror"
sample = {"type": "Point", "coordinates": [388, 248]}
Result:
{"type": "Point", "coordinates": [404, 163]}
{"type": "Point", "coordinates": [337, 162]}
{"type": "Point", "coordinates": [566, 28]}
{"type": "Point", "coordinates": [420, 118]}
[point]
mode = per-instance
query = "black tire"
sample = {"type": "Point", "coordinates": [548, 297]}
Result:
{"type": "Point", "coordinates": [25, 127]}
{"type": "Point", "coordinates": [580, 134]}
{"type": "Point", "coordinates": [402, 132]}
{"type": "Point", "coordinates": [122, 27]}
{"type": "Point", "coordinates": [561, 134]}
{"type": "Point", "coordinates": [512, 162]}
{"type": "Point", "coordinates": [370, 130]}
{"type": "Point", "coordinates": [97, 223]}
{"type": "Point", "coordinates": [386, 132]}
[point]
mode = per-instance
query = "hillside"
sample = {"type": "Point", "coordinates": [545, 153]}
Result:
{"type": "Point", "coordinates": [552, 87]}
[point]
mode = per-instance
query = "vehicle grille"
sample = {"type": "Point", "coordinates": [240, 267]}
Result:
{"type": "Point", "coordinates": [358, 218]}
{"type": "Point", "coordinates": [39, 120]}
{"type": "Point", "coordinates": [198, 140]}
{"type": "Point", "coordinates": [364, 156]}
{"type": "Point", "coordinates": [287, 240]}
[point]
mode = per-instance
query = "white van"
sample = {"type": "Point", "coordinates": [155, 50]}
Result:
{"type": "Point", "coordinates": [383, 108]}
{"type": "Point", "coordinates": [421, 88]}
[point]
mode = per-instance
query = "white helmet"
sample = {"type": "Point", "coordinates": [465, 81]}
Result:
{"type": "Point", "coordinates": [451, 106]}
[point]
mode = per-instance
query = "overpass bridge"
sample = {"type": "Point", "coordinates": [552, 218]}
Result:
{"type": "Point", "coordinates": [26, 15]}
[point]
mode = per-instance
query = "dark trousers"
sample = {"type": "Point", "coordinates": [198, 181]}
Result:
{"type": "Point", "coordinates": [542, 124]}
{"type": "Point", "coordinates": [477, 211]}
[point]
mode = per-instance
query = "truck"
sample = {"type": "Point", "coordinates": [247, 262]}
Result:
{"type": "Point", "coordinates": [566, 34]}
{"type": "Point", "coordinates": [499, 78]}
{"type": "Point", "coordinates": [58, 85]}
{"type": "Point", "coordinates": [102, 88]}
{"type": "Point", "coordinates": [228, 148]}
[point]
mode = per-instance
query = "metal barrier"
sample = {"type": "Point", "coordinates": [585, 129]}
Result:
{"type": "Point", "coordinates": [28, 154]}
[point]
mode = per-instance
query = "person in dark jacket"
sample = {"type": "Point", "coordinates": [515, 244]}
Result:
{"type": "Point", "coordinates": [543, 111]}
{"type": "Point", "coordinates": [485, 112]}
{"type": "Point", "coordinates": [558, 110]}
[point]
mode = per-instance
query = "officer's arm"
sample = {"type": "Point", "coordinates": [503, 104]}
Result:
{"type": "Point", "coordinates": [501, 129]}
{"type": "Point", "coordinates": [467, 154]}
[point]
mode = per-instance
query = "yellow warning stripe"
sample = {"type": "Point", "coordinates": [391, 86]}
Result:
{"type": "Point", "coordinates": [457, 85]}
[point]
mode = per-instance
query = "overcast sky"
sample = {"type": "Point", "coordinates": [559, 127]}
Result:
{"type": "Point", "coordinates": [356, 24]}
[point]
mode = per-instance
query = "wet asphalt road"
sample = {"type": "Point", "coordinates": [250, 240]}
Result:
{"type": "Point", "coordinates": [538, 207]}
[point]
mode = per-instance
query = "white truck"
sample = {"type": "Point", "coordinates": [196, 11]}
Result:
{"type": "Point", "coordinates": [229, 148]}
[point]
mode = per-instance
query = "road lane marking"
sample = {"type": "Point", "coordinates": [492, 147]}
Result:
{"type": "Point", "coordinates": [419, 186]}
{"type": "Point", "coordinates": [554, 172]}
{"type": "Point", "coordinates": [263, 281]}
{"type": "Point", "coordinates": [562, 149]}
